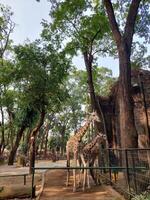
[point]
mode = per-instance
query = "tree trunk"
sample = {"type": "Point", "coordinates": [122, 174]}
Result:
{"type": "Point", "coordinates": [46, 140]}
{"type": "Point", "coordinates": [123, 41]}
{"type": "Point", "coordinates": [33, 139]}
{"type": "Point", "coordinates": [16, 145]}
{"type": "Point", "coordinates": [3, 132]}
{"type": "Point", "coordinates": [41, 144]}
{"type": "Point", "coordinates": [129, 137]}
{"type": "Point", "coordinates": [29, 113]}
{"type": "Point", "coordinates": [11, 129]}
{"type": "Point", "coordinates": [128, 133]}
{"type": "Point", "coordinates": [62, 139]}
{"type": "Point", "coordinates": [27, 142]}
{"type": "Point", "coordinates": [32, 154]}
{"type": "Point", "coordinates": [88, 59]}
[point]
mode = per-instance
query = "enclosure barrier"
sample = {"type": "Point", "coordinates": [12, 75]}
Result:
{"type": "Point", "coordinates": [129, 165]}
{"type": "Point", "coordinates": [135, 179]}
{"type": "Point", "coordinates": [13, 175]}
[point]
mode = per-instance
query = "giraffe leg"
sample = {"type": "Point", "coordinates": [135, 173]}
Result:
{"type": "Point", "coordinates": [79, 175]}
{"type": "Point", "coordinates": [88, 177]}
{"type": "Point", "coordinates": [84, 173]}
{"type": "Point", "coordinates": [74, 180]}
{"type": "Point", "coordinates": [84, 178]}
{"type": "Point", "coordinates": [74, 175]}
{"type": "Point", "coordinates": [68, 171]}
{"type": "Point", "coordinates": [68, 176]}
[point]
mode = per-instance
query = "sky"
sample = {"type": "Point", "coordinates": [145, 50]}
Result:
{"type": "Point", "coordinates": [28, 15]}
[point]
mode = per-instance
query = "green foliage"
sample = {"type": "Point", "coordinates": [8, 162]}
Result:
{"type": "Point", "coordinates": [78, 23]}
{"type": "Point", "coordinates": [140, 58]}
{"type": "Point", "coordinates": [34, 81]}
{"type": "Point", "coordinates": [54, 142]}
{"type": "Point", "coordinates": [40, 75]}
{"type": "Point", "coordinates": [6, 28]}
{"type": "Point", "coordinates": [71, 113]}
{"type": "Point", "coordinates": [102, 78]}
{"type": "Point", "coordinates": [143, 196]}
{"type": "Point", "coordinates": [142, 27]}
{"type": "Point", "coordinates": [141, 31]}
{"type": "Point", "coordinates": [22, 148]}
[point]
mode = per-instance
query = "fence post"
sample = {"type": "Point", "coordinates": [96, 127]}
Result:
{"type": "Point", "coordinates": [127, 171]}
{"type": "Point", "coordinates": [33, 187]}
{"type": "Point", "coordinates": [134, 172]}
{"type": "Point", "coordinates": [109, 166]}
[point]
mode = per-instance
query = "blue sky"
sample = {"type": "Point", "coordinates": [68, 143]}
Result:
{"type": "Point", "coordinates": [28, 14]}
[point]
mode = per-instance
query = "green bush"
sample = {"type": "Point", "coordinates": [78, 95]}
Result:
{"type": "Point", "coordinates": [143, 196]}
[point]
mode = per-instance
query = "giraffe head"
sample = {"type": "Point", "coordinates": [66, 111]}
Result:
{"type": "Point", "coordinates": [101, 138]}
{"type": "Point", "coordinates": [94, 117]}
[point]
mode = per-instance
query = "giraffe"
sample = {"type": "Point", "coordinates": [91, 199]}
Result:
{"type": "Point", "coordinates": [73, 146]}
{"type": "Point", "coordinates": [89, 152]}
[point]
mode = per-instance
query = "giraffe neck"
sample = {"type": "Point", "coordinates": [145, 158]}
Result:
{"type": "Point", "coordinates": [83, 130]}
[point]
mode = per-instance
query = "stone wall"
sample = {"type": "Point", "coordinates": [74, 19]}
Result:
{"type": "Point", "coordinates": [141, 97]}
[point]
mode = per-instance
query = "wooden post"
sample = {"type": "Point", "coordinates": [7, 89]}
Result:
{"type": "Point", "coordinates": [32, 154]}
{"type": "Point", "coordinates": [127, 171]}
{"type": "Point", "coordinates": [109, 166]}
{"type": "Point", "coordinates": [33, 187]}
{"type": "Point", "coordinates": [134, 171]}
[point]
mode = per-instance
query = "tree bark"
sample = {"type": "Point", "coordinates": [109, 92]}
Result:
{"type": "Point", "coordinates": [88, 59]}
{"type": "Point", "coordinates": [33, 140]}
{"type": "Point", "coordinates": [19, 136]}
{"type": "Point", "coordinates": [16, 145]}
{"type": "Point", "coordinates": [128, 133]}
{"type": "Point", "coordinates": [46, 140]}
{"type": "Point", "coordinates": [42, 144]}
{"type": "Point", "coordinates": [62, 139]}
{"type": "Point", "coordinates": [11, 128]}
{"type": "Point", "coordinates": [3, 132]}
{"type": "Point", "coordinates": [143, 97]}
{"type": "Point", "coordinates": [27, 140]}
{"type": "Point", "coordinates": [129, 138]}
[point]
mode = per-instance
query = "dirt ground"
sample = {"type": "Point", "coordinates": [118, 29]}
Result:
{"type": "Point", "coordinates": [55, 189]}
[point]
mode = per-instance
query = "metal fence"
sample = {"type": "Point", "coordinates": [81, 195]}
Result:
{"type": "Point", "coordinates": [128, 170]}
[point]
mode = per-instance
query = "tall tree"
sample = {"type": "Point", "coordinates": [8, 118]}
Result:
{"type": "Point", "coordinates": [28, 117]}
{"type": "Point", "coordinates": [39, 76]}
{"type": "Point", "coordinates": [123, 41]}
{"type": "Point", "coordinates": [6, 28]}
{"type": "Point", "coordinates": [86, 31]}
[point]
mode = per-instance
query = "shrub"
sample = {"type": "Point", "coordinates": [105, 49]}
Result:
{"type": "Point", "coordinates": [143, 196]}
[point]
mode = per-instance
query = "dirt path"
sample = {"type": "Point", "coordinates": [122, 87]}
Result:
{"type": "Point", "coordinates": [55, 189]}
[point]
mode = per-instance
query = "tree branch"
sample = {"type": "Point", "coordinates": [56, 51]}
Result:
{"type": "Point", "coordinates": [5, 44]}
{"type": "Point", "coordinates": [130, 23]}
{"type": "Point", "coordinates": [92, 40]}
{"type": "Point", "coordinates": [101, 50]}
{"type": "Point", "coordinates": [112, 20]}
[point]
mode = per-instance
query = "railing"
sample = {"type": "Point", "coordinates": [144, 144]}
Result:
{"type": "Point", "coordinates": [136, 177]}
{"type": "Point", "coordinates": [13, 175]}
{"type": "Point", "coordinates": [131, 164]}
